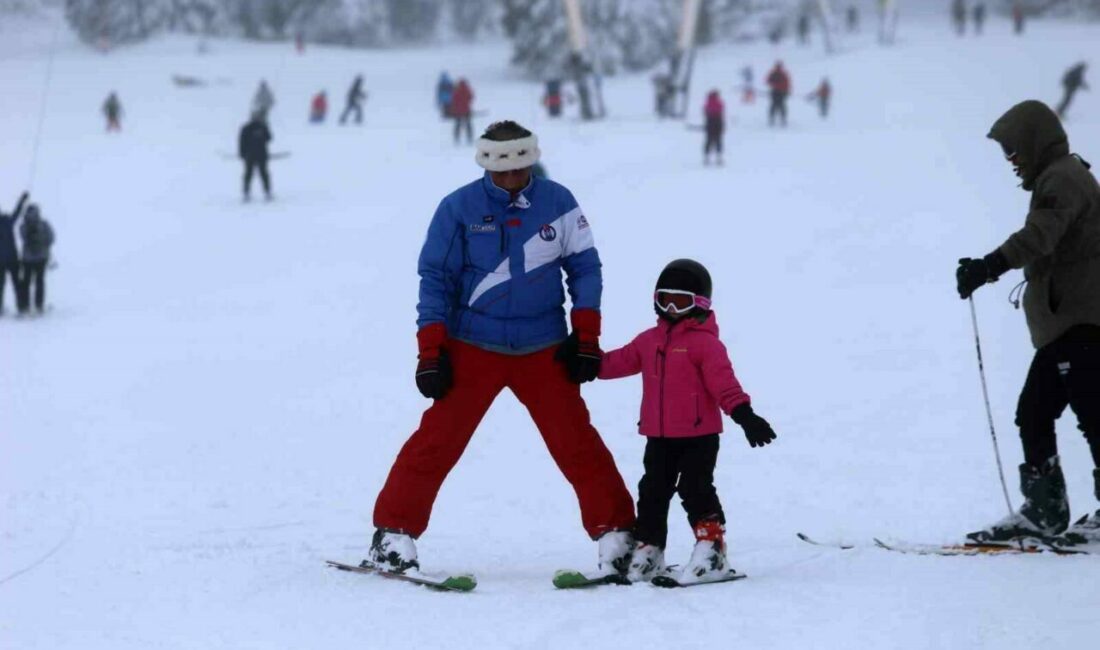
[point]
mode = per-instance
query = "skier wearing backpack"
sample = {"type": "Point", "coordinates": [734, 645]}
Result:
{"type": "Point", "coordinates": [38, 239]}
{"type": "Point", "coordinates": [1059, 250]}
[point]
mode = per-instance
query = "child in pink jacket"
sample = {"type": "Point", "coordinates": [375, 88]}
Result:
{"type": "Point", "coordinates": [687, 383]}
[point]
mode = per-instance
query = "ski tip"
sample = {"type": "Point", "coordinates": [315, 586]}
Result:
{"type": "Point", "coordinates": [460, 583]}
{"type": "Point", "coordinates": [565, 579]}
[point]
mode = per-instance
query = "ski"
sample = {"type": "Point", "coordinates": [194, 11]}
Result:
{"type": "Point", "coordinates": [809, 540]}
{"type": "Point", "coordinates": [567, 579]}
{"type": "Point", "coordinates": [1024, 546]}
{"type": "Point", "coordinates": [441, 583]}
{"type": "Point", "coordinates": [668, 582]}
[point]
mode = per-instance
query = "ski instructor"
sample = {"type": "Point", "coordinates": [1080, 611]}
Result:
{"type": "Point", "coordinates": [491, 316]}
{"type": "Point", "coordinates": [1059, 250]}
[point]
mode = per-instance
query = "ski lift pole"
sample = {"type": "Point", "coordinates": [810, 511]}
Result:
{"type": "Point", "coordinates": [988, 408]}
{"type": "Point", "coordinates": [685, 56]}
{"type": "Point", "coordinates": [42, 110]}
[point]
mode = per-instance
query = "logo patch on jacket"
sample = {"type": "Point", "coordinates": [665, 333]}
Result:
{"type": "Point", "coordinates": [483, 227]}
{"type": "Point", "coordinates": [547, 233]}
{"type": "Point", "coordinates": [487, 218]}
{"type": "Point", "coordinates": [582, 223]}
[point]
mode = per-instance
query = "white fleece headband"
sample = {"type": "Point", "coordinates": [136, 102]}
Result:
{"type": "Point", "coordinates": [507, 155]}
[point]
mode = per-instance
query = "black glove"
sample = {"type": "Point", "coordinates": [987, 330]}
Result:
{"type": "Point", "coordinates": [973, 273]}
{"type": "Point", "coordinates": [433, 375]}
{"type": "Point", "coordinates": [581, 358]}
{"type": "Point", "coordinates": [757, 430]}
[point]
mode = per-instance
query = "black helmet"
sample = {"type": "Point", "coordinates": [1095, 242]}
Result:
{"type": "Point", "coordinates": [686, 275]}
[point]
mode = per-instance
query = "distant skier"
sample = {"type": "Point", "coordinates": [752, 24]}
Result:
{"type": "Point", "coordinates": [664, 94]}
{"type": "Point", "coordinates": [803, 26]}
{"type": "Point", "coordinates": [9, 256]}
{"type": "Point", "coordinates": [112, 110]}
{"type": "Point", "coordinates": [264, 100]}
{"type": "Point", "coordinates": [356, 96]}
{"type": "Point", "coordinates": [852, 15]}
{"type": "Point", "coordinates": [979, 18]}
{"type": "Point", "coordinates": [779, 83]}
{"type": "Point", "coordinates": [683, 401]}
{"type": "Point", "coordinates": [38, 238]}
{"type": "Point", "coordinates": [482, 330]}
{"type": "Point", "coordinates": [318, 108]}
{"type": "Point", "coordinates": [1059, 250]}
{"type": "Point", "coordinates": [462, 109]}
{"type": "Point", "coordinates": [552, 100]}
{"type": "Point", "coordinates": [958, 16]}
{"type": "Point", "coordinates": [1072, 81]}
{"type": "Point", "coordinates": [822, 94]}
{"type": "Point", "coordinates": [714, 115]}
{"type": "Point", "coordinates": [252, 148]}
{"type": "Point", "coordinates": [748, 89]}
{"type": "Point", "coordinates": [444, 92]}
{"type": "Point", "coordinates": [1018, 17]}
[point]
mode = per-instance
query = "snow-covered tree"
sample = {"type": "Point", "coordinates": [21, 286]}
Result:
{"type": "Point", "coordinates": [115, 21]}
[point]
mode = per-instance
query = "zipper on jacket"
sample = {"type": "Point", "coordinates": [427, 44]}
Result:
{"type": "Point", "coordinates": [502, 228]}
{"type": "Point", "coordinates": [664, 362]}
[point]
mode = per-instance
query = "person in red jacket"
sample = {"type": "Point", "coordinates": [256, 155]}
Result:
{"type": "Point", "coordinates": [714, 114]}
{"type": "Point", "coordinates": [687, 383]}
{"type": "Point", "coordinates": [461, 108]}
{"type": "Point", "coordinates": [821, 95]}
{"type": "Point", "coordinates": [779, 82]}
{"type": "Point", "coordinates": [318, 108]}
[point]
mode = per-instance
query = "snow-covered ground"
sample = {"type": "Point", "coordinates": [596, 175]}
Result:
{"type": "Point", "coordinates": [212, 405]}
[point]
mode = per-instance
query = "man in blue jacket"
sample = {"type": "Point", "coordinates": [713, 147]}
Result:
{"type": "Point", "coordinates": [492, 316]}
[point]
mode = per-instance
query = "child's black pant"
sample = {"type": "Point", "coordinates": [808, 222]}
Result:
{"type": "Point", "coordinates": [683, 465]}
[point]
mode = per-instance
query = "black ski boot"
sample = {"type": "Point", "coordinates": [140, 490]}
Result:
{"type": "Point", "coordinates": [1087, 528]}
{"type": "Point", "coordinates": [1045, 512]}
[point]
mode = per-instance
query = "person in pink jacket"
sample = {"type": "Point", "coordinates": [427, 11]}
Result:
{"type": "Point", "coordinates": [687, 384]}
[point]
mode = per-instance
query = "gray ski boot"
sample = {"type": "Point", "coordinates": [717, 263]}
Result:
{"type": "Point", "coordinates": [392, 551]}
{"type": "Point", "coordinates": [615, 548]}
{"type": "Point", "coordinates": [1087, 528]}
{"type": "Point", "coordinates": [1044, 513]}
{"type": "Point", "coordinates": [647, 562]}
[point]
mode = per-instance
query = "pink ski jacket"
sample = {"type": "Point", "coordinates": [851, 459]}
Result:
{"type": "Point", "coordinates": [686, 378]}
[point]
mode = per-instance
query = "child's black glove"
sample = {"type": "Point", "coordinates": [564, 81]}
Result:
{"type": "Point", "coordinates": [757, 430]}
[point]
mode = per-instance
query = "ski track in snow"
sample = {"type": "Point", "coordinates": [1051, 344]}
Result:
{"type": "Point", "coordinates": [222, 387]}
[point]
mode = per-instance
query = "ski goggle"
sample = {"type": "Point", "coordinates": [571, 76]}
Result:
{"type": "Point", "coordinates": [678, 301]}
{"type": "Point", "coordinates": [1010, 155]}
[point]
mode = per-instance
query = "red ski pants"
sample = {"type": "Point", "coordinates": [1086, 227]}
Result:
{"type": "Point", "coordinates": [559, 412]}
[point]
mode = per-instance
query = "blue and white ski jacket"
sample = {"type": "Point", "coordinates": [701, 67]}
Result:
{"type": "Point", "coordinates": [491, 267]}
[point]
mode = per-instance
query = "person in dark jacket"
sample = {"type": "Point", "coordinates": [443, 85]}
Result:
{"type": "Point", "coordinates": [1059, 250]}
{"type": "Point", "coordinates": [9, 256]}
{"type": "Point", "coordinates": [356, 95]}
{"type": "Point", "coordinates": [1073, 81]}
{"type": "Point", "coordinates": [779, 82]}
{"type": "Point", "coordinates": [252, 148]}
{"type": "Point", "coordinates": [979, 18]}
{"type": "Point", "coordinates": [958, 15]}
{"type": "Point", "coordinates": [112, 110]}
{"type": "Point", "coordinates": [38, 238]}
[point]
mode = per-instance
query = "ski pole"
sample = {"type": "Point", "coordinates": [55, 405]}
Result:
{"type": "Point", "coordinates": [988, 408]}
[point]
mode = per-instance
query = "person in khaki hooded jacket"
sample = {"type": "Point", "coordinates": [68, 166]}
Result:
{"type": "Point", "coordinates": [1059, 250]}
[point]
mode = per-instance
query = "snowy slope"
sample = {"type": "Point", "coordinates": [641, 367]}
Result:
{"type": "Point", "coordinates": [212, 405]}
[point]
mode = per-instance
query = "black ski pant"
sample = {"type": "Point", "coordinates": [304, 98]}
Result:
{"type": "Point", "coordinates": [12, 269]}
{"type": "Point", "coordinates": [1063, 105]}
{"type": "Point", "coordinates": [714, 140]}
{"type": "Point", "coordinates": [823, 107]}
{"type": "Point", "coordinates": [463, 122]}
{"type": "Point", "coordinates": [252, 165]}
{"type": "Point", "coordinates": [1063, 373]}
{"type": "Point", "coordinates": [778, 109]}
{"type": "Point", "coordinates": [34, 277]}
{"type": "Point", "coordinates": [677, 465]}
{"type": "Point", "coordinates": [352, 107]}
